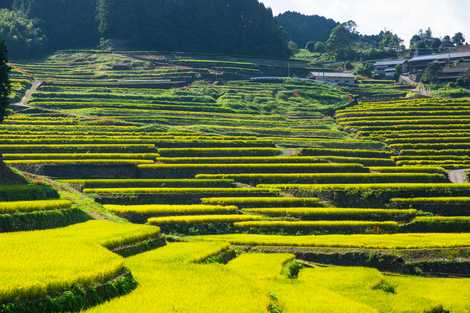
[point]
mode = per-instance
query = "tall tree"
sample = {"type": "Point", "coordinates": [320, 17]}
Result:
{"type": "Point", "coordinates": [22, 35]}
{"type": "Point", "coordinates": [5, 87]}
{"type": "Point", "coordinates": [458, 39]}
{"type": "Point", "coordinates": [303, 29]}
{"type": "Point", "coordinates": [340, 41]}
{"type": "Point", "coordinates": [218, 26]}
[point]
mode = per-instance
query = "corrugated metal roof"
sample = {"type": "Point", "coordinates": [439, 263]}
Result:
{"type": "Point", "coordinates": [440, 56]}
{"type": "Point", "coordinates": [389, 62]}
{"type": "Point", "coordinates": [333, 75]}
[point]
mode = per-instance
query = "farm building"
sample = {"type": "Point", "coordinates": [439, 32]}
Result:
{"type": "Point", "coordinates": [387, 68]}
{"type": "Point", "coordinates": [453, 64]}
{"type": "Point", "coordinates": [338, 78]}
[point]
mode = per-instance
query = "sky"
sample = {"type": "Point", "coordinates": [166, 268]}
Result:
{"type": "Point", "coordinates": [404, 17]}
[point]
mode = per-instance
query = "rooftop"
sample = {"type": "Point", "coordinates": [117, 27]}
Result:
{"type": "Point", "coordinates": [332, 75]}
{"type": "Point", "coordinates": [440, 56]}
{"type": "Point", "coordinates": [389, 62]}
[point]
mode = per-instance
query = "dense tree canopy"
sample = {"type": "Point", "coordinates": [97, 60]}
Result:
{"type": "Point", "coordinates": [22, 35]}
{"type": "Point", "coordinates": [302, 29]}
{"type": "Point", "coordinates": [5, 87]}
{"type": "Point", "coordinates": [425, 43]}
{"type": "Point", "coordinates": [220, 26]}
{"type": "Point", "coordinates": [67, 23]}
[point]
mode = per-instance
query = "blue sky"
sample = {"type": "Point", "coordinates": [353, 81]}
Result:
{"type": "Point", "coordinates": [404, 17]}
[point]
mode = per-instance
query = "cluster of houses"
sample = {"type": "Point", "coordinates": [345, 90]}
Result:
{"type": "Point", "coordinates": [453, 65]}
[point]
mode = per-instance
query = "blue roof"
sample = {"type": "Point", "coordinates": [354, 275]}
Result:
{"type": "Point", "coordinates": [440, 56]}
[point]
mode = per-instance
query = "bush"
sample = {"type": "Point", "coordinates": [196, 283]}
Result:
{"type": "Point", "coordinates": [200, 224]}
{"type": "Point", "coordinates": [439, 224]}
{"type": "Point", "coordinates": [317, 227]}
{"type": "Point", "coordinates": [27, 192]}
{"type": "Point", "coordinates": [263, 202]}
{"type": "Point", "coordinates": [154, 183]}
{"type": "Point", "coordinates": [219, 152]}
{"type": "Point", "coordinates": [347, 153]}
{"type": "Point", "coordinates": [340, 178]}
{"type": "Point", "coordinates": [449, 206]}
{"type": "Point", "coordinates": [372, 195]}
{"type": "Point", "coordinates": [41, 220]}
{"type": "Point", "coordinates": [464, 81]}
{"type": "Point", "coordinates": [140, 213]}
{"type": "Point", "coordinates": [336, 213]}
{"type": "Point", "coordinates": [190, 170]}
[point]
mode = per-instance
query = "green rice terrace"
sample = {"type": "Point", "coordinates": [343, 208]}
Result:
{"type": "Point", "coordinates": [145, 182]}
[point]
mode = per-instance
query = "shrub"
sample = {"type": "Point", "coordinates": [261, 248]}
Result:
{"type": "Point", "coordinates": [255, 179]}
{"type": "Point", "coordinates": [347, 152]}
{"type": "Point", "coordinates": [409, 169]}
{"type": "Point", "coordinates": [372, 195]}
{"type": "Point", "coordinates": [200, 224]}
{"type": "Point", "coordinates": [263, 202]}
{"type": "Point", "coordinates": [154, 183]}
{"type": "Point", "coordinates": [439, 224]}
{"type": "Point", "coordinates": [190, 170]}
{"type": "Point", "coordinates": [450, 206]}
{"type": "Point", "coordinates": [140, 213]}
{"type": "Point", "coordinates": [336, 213]}
{"type": "Point", "coordinates": [36, 220]}
{"type": "Point", "coordinates": [26, 192]}
{"type": "Point", "coordinates": [317, 227]}
{"type": "Point", "coordinates": [219, 152]}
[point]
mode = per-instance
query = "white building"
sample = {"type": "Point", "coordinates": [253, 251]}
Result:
{"type": "Point", "coordinates": [338, 78]}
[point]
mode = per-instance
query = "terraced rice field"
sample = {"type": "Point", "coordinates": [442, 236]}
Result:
{"type": "Point", "coordinates": [257, 182]}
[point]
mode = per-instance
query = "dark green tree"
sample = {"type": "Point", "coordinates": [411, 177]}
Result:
{"type": "Point", "coordinates": [464, 81]}
{"type": "Point", "coordinates": [458, 39]}
{"type": "Point", "coordinates": [5, 87]}
{"type": "Point", "coordinates": [446, 43]}
{"type": "Point", "coordinates": [22, 35]}
{"type": "Point", "coordinates": [340, 42]}
{"type": "Point", "coordinates": [305, 28]}
{"type": "Point", "coordinates": [431, 74]}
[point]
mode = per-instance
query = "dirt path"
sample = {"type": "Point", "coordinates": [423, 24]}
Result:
{"type": "Point", "coordinates": [23, 104]}
{"type": "Point", "coordinates": [458, 176]}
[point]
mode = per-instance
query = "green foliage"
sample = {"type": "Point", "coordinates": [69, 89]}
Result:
{"type": "Point", "coordinates": [431, 73]}
{"type": "Point", "coordinates": [237, 27]}
{"type": "Point", "coordinates": [365, 69]}
{"type": "Point", "coordinates": [340, 42]}
{"type": "Point", "coordinates": [464, 81]}
{"type": "Point", "coordinates": [26, 192]}
{"type": "Point", "coordinates": [5, 86]}
{"type": "Point", "coordinates": [304, 29]}
{"type": "Point", "coordinates": [23, 36]}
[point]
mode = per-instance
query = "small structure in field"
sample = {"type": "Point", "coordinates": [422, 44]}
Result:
{"type": "Point", "coordinates": [337, 78]}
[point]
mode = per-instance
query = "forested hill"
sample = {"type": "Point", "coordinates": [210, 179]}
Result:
{"type": "Point", "coordinates": [218, 26]}
{"type": "Point", "coordinates": [304, 28]}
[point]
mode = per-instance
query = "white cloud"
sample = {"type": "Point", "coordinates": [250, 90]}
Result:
{"type": "Point", "coordinates": [404, 17]}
